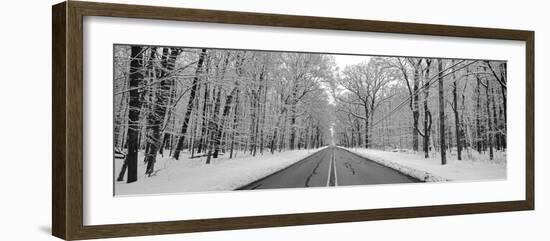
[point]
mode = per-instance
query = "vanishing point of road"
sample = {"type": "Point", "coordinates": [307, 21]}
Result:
{"type": "Point", "coordinates": [331, 166]}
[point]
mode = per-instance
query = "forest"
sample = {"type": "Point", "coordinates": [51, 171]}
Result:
{"type": "Point", "coordinates": [211, 102]}
{"type": "Point", "coordinates": [187, 103]}
{"type": "Point", "coordinates": [426, 105]}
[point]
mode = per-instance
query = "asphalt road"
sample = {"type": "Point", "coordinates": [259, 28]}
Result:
{"type": "Point", "coordinates": [331, 166]}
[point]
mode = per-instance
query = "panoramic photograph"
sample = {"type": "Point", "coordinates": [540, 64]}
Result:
{"type": "Point", "coordinates": [192, 120]}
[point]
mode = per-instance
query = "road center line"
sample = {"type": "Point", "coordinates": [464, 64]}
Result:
{"type": "Point", "coordinates": [335, 172]}
{"type": "Point", "coordinates": [329, 169]}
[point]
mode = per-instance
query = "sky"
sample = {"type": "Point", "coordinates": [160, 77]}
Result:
{"type": "Point", "coordinates": [343, 60]}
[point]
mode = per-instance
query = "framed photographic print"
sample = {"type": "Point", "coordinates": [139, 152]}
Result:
{"type": "Point", "coordinates": [171, 120]}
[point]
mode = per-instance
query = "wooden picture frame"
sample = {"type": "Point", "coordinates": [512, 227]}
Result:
{"type": "Point", "coordinates": [67, 123]}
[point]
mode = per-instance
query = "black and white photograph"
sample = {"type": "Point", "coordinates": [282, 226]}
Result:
{"type": "Point", "coordinates": [192, 119]}
{"type": "Point", "coordinates": [269, 120]}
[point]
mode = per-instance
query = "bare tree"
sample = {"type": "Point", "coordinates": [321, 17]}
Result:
{"type": "Point", "coordinates": [192, 94]}
{"type": "Point", "coordinates": [136, 79]}
{"type": "Point", "coordinates": [441, 113]}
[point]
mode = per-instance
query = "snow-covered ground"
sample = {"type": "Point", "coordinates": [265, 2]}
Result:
{"type": "Point", "coordinates": [477, 167]}
{"type": "Point", "coordinates": [193, 175]}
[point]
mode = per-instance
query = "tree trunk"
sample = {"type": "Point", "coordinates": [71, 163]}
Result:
{"type": "Point", "coordinates": [427, 114]}
{"type": "Point", "coordinates": [225, 114]}
{"type": "Point", "coordinates": [158, 112]}
{"type": "Point", "coordinates": [292, 127]}
{"type": "Point", "coordinates": [367, 141]}
{"type": "Point", "coordinates": [234, 124]}
{"type": "Point", "coordinates": [478, 116]}
{"type": "Point", "coordinates": [416, 113]}
{"type": "Point", "coordinates": [495, 121]}
{"type": "Point", "coordinates": [276, 131]}
{"type": "Point", "coordinates": [262, 121]}
{"type": "Point", "coordinates": [257, 112]}
{"type": "Point", "coordinates": [187, 115]}
{"type": "Point", "coordinates": [226, 110]}
{"type": "Point", "coordinates": [503, 112]}
{"type": "Point", "coordinates": [458, 135]}
{"type": "Point", "coordinates": [489, 120]}
{"type": "Point", "coordinates": [358, 141]}
{"type": "Point", "coordinates": [441, 113]}
{"type": "Point", "coordinates": [282, 142]}
{"type": "Point", "coordinates": [205, 117]}
{"type": "Point", "coordinates": [213, 127]}
{"type": "Point", "coordinates": [167, 137]}
{"type": "Point", "coordinates": [136, 78]}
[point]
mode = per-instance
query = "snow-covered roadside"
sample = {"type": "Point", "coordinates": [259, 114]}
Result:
{"type": "Point", "coordinates": [193, 175]}
{"type": "Point", "coordinates": [431, 170]}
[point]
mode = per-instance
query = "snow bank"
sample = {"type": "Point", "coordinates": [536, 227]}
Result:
{"type": "Point", "coordinates": [431, 170]}
{"type": "Point", "coordinates": [193, 175]}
